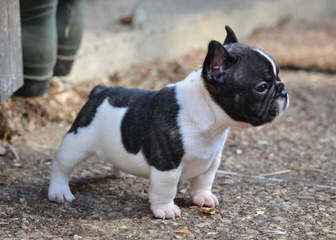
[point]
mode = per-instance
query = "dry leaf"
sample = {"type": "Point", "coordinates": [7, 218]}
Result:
{"type": "Point", "coordinates": [209, 211]}
{"type": "Point", "coordinates": [182, 231]}
{"type": "Point", "coordinates": [328, 230]}
{"type": "Point", "coordinates": [127, 20]}
{"type": "Point", "coordinates": [92, 186]}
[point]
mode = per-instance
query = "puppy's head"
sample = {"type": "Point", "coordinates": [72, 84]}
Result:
{"type": "Point", "coordinates": [243, 80]}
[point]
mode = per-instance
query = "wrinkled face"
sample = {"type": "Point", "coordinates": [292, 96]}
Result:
{"type": "Point", "coordinates": [244, 81]}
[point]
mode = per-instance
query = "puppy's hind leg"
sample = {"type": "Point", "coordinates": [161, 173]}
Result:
{"type": "Point", "coordinates": [71, 152]}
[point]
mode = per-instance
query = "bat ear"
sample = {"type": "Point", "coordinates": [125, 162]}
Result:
{"type": "Point", "coordinates": [230, 36]}
{"type": "Point", "coordinates": [216, 63]}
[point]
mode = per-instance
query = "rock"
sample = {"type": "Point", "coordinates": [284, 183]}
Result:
{"type": "Point", "coordinates": [3, 150]}
{"type": "Point", "coordinates": [239, 151]}
{"type": "Point", "coordinates": [128, 209]}
{"type": "Point", "coordinates": [280, 220]}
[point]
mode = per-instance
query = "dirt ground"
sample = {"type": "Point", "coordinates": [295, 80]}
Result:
{"type": "Point", "coordinates": [275, 182]}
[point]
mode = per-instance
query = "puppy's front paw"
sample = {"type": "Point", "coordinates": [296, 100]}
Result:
{"type": "Point", "coordinates": [164, 211]}
{"type": "Point", "coordinates": [60, 193]}
{"type": "Point", "coordinates": [204, 198]}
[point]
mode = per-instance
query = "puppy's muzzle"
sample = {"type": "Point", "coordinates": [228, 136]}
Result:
{"type": "Point", "coordinates": [280, 90]}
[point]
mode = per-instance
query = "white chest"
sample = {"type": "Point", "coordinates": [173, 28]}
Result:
{"type": "Point", "coordinates": [200, 153]}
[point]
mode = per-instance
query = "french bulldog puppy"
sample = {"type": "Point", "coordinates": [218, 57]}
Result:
{"type": "Point", "coordinates": [176, 133]}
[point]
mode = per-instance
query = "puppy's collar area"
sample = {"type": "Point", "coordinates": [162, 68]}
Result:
{"type": "Point", "coordinates": [205, 113]}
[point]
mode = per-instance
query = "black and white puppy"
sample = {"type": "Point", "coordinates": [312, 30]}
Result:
{"type": "Point", "coordinates": [177, 133]}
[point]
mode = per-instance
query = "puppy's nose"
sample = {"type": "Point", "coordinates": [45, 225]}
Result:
{"type": "Point", "coordinates": [280, 89]}
{"type": "Point", "coordinates": [283, 93]}
{"type": "Point", "coordinates": [279, 86]}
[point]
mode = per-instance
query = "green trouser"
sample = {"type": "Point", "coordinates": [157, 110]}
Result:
{"type": "Point", "coordinates": [51, 30]}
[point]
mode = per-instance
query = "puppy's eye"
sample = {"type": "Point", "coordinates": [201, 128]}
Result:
{"type": "Point", "coordinates": [261, 87]}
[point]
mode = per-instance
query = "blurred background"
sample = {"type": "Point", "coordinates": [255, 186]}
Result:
{"type": "Point", "coordinates": [119, 34]}
{"type": "Point", "coordinates": [149, 44]}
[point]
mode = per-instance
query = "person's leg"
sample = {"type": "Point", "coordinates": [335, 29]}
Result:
{"type": "Point", "coordinates": [38, 21]}
{"type": "Point", "coordinates": [69, 29]}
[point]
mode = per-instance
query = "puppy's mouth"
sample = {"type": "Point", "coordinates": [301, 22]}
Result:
{"type": "Point", "coordinates": [275, 109]}
{"type": "Point", "coordinates": [266, 119]}
{"type": "Point", "coordinates": [286, 105]}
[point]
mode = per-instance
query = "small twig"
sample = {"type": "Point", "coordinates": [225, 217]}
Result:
{"type": "Point", "coordinates": [271, 179]}
{"type": "Point", "coordinates": [307, 169]}
{"type": "Point", "coordinates": [282, 233]}
{"type": "Point", "coordinates": [40, 147]}
{"type": "Point", "coordinates": [321, 186]}
{"type": "Point", "coordinates": [223, 173]}
{"type": "Point", "coordinates": [275, 173]}
{"type": "Point", "coordinates": [13, 150]}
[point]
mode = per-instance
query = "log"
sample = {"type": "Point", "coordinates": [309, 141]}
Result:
{"type": "Point", "coordinates": [11, 70]}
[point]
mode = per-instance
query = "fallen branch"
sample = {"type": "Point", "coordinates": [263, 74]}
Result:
{"type": "Point", "coordinates": [275, 173]}
{"type": "Point", "coordinates": [307, 169]}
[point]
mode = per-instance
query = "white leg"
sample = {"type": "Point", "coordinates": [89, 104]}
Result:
{"type": "Point", "coordinates": [59, 190]}
{"type": "Point", "coordinates": [70, 153]}
{"type": "Point", "coordinates": [162, 191]}
{"type": "Point", "coordinates": [201, 185]}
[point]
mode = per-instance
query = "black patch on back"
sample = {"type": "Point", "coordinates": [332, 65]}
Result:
{"type": "Point", "coordinates": [117, 96]}
{"type": "Point", "coordinates": [163, 146]}
{"type": "Point", "coordinates": [137, 120]}
{"type": "Point", "coordinates": [124, 97]}
{"type": "Point", "coordinates": [88, 111]}
{"type": "Point", "coordinates": [149, 125]}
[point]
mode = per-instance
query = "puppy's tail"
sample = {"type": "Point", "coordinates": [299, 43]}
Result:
{"type": "Point", "coordinates": [96, 90]}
